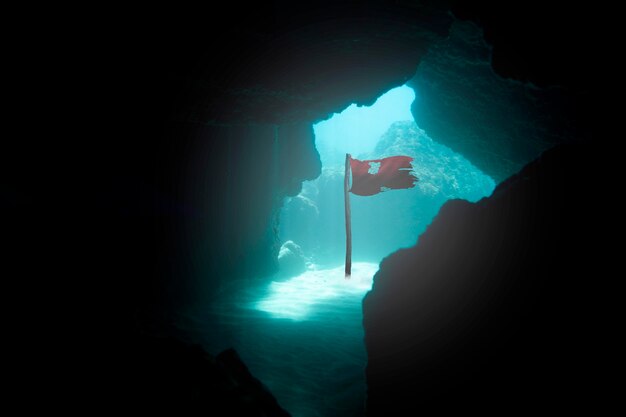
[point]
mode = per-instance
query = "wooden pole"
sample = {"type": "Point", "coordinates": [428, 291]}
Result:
{"type": "Point", "coordinates": [346, 191]}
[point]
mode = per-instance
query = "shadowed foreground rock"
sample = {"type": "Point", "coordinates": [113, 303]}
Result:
{"type": "Point", "coordinates": [168, 374]}
{"type": "Point", "coordinates": [489, 311]}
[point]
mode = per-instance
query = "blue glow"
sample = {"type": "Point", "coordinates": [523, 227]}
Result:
{"type": "Point", "coordinates": [386, 222]}
{"type": "Point", "coordinates": [357, 129]}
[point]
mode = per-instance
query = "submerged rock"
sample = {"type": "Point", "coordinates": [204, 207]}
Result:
{"type": "Point", "coordinates": [298, 219]}
{"type": "Point", "coordinates": [291, 260]}
{"type": "Point", "coordinates": [166, 374]}
{"type": "Point", "coordinates": [489, 310]}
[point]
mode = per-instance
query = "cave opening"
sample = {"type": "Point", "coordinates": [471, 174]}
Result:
{"type": "Point", "coordinates": [301, 331]}
{"type": "Point", "coordinates": [314, 219]}
{"type": "Point", "coordinates": [312, 223]}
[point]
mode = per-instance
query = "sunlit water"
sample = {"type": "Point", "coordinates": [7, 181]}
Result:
{"type": "Point", "coordinates": [317, 294]}
{"type": "Point", "coordinates": [302, 337]}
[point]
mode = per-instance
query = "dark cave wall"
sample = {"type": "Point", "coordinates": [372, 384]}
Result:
{"type": "Point", "coordinates": [489, 310]}
{"type": "Point", "coordinates": [219, 190]}
{"type": "Point", "coordinates": [286, 62]}
{"type": "Point", "coordinates": [537, 41]}
{"type": "Point", "coordinates": [500, 124]}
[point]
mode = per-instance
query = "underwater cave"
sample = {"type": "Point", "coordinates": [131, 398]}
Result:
{"type": "Point", "coordinates": [306, 321]}
{"type": "Point", "coordinates": [226, 211]}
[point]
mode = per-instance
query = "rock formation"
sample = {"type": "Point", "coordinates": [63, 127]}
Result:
{"type": "Point", "coordinates": [467, 106]}
{"type": "Point", "coordinates": [489, 310]}
{"type": "Point", "coordinates": [168, 375]}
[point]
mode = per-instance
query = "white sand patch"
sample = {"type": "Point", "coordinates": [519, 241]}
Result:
{"type": "Point", "coordinates": [312, 293]}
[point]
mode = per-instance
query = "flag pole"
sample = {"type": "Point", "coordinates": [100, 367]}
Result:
{"type": "Point", "coordinates": [346, 192]}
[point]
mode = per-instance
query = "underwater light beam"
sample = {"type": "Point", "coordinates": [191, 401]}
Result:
{"type": "Point", "coordinates": [317, 294]}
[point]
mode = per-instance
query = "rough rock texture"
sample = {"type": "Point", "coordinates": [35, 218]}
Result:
{"type": "Point", "coordinates": [291, 260]}
{"type": "Point", "coordinates": [499, 124]}
{"type": "Point", "coordinates": [168, 375]}
{"type": "Point", "coordinates": [215, 204]}
{"type": "Point", "coordinates": [489, 310]}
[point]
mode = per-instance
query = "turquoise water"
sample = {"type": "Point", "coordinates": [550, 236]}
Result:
{"type": "Point", "coordinates": [357, 130]}
{"type": "Point", "coordinates": [301, 336]}
{"type": "Point", "coordinates": [384, 222]}
{"type": "Point", "coordinates": [301, 332]}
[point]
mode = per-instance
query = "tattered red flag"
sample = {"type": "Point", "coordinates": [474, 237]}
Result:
{"type": "Point", "coordinates": [393, 173]}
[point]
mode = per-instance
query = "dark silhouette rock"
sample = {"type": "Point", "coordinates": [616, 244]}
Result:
{"type": "Point", "coordinates": [166, 374]}
{"type": "Point", "coordinates": [489, 310]}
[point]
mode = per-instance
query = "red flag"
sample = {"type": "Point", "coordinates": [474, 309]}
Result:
{"type": "Point", "coordinates": [394, 173]}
